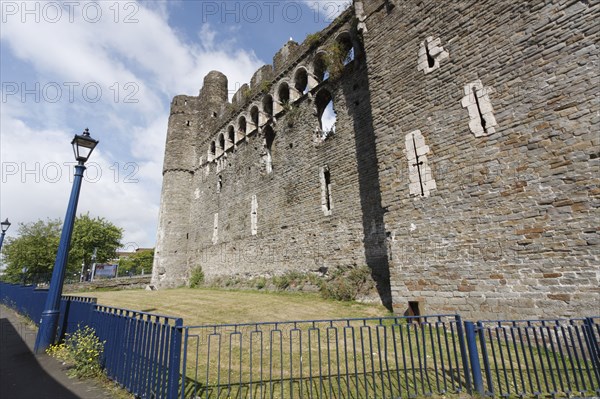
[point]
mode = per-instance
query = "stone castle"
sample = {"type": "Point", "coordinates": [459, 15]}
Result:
{"type": "Point", "coordinates": [463, 166]}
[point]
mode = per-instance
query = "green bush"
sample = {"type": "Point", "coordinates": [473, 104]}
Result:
{"type": "Point", "coordinates": [347, 284]}
{"type": "Point", "coordinates": [197, 277]}
{"type": "Point", "coordinates": [81, 351]}
{"type": "Point", "coordinates": [260, 283]}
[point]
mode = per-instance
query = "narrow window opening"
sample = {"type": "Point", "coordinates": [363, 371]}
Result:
{"type": "Point", "coordinates": [254, 116]}
{"type": "Point", "coordinates": [269, 139]}
{"type": "Point", "coordinates": [320, 68]}
{"type": "Point", "coordinates": [187, 123]}
{"type": "Point", "coordinates": [431, 54]}
{"type": "Point", "coordinates": [327, 177]}
{"type": "Point", "coordinates": [185, 102]}
{"type": "Point", "coordinates": [326, 114]}
{"type": "Point", "coordinates": [430, 59]}
{"type": "Point", "coordinates": [231, 136]}
{"type": "Point", "coordinates": [214, 114]}
{"type": "Point", "coordinates": [254, 216]}
{"type": "Point", "coordinates": [421, 181]}
{"type": "Point", "coordinates": [479, 106]}
{"type": "Point", "coordinates": [418, 163]}
{"type": "Point", "coordinates": [215, 237]}
{"type": "Point", "coordinates": [326, 193]}
{"type": "Point", "coordinates": [219, 184]}
{"type": "Point", "coordinates": [213, 148]}
{"type": "Point", "coordinates": [301, 81]}
{"type": "Point", "coordinates": [481, 118]}
{"type": "Point", "coordinates": [242, 126]}
{"type": "Point", "coordinates": [284, 93]}
{"type": "Point", "coordinates": [222, 142]}
{"type": "Point", "coordinates": [268, 106]}
{"type": "Point", "coordinates": [346, 48]}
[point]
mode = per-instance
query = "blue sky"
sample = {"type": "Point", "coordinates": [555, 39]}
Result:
{"type": "Point", "coordinates": [114, 66]}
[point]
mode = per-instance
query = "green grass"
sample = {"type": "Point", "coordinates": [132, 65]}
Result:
{"type": "Point", "coordinates": [287, 358]}
{"type": "Point", "coordinates": [214, 306]}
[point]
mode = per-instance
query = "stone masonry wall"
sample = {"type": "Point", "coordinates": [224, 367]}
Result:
{"type": "Point", "coordinates": [512, 227]}
{"type": "Point", "coordinates": [493, 210]}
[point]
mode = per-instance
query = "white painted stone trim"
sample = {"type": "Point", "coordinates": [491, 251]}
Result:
{"type": "Point", "coordinates": [427, 178]}
{"type": "Point", "coordinates": [326, 191]}
{"type": "Point", "coordinates": [254, 216]}
{"type": "Point", "coordinates": [485, 107]}
{"type": "Point", "coordinates": [215, 237]}
{"type": "Point", "coordinates": [436, 51]}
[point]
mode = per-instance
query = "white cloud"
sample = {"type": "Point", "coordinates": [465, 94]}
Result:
{"type": "Point", "coordinates": [149, 54]}
{"type": "Point", "coordinates": [328, 10]}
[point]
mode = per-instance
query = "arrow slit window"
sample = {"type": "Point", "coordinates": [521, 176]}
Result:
{"type": "Point", "coordinates": [421, 181]}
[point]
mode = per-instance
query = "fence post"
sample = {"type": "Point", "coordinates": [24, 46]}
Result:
{"type": "Point", "coordinates": [184, 363]}
{"type": "Point", "coordinates": [174, 359]}
{"type": "Point", "coordinates": [594, 348]}
{"type": "Point", "coordinates": [474, 357]}
{"type": "Point", "coordinates": [463, 354]}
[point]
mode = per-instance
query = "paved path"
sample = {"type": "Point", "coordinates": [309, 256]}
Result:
{"type": "Point", "coordinates": [26, 376]}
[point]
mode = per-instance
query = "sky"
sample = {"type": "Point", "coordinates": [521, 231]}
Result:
{"type": "Point", "coordinates": [113, 67]}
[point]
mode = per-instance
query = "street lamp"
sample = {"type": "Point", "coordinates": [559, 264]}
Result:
{"type": "Point", "coordinates": [4, 225]}
{"type": "Point", "coordinates": [83, 145]}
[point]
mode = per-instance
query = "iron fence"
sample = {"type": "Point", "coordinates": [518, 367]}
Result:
{"type": "Point", "coordinates": [30, 301]}
{"type": "Point", "coordinates": [141, 350]}
{"type": "Point", "coordinates": [388, 357]}
{"type": "Point", "coordinates": [537, 357]}
{"type": "Point", "coordinates": [155, 356]}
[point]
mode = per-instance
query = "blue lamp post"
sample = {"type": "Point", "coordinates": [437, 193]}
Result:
{"type": "Point", "coordinates": [4, 225]}
{"type": "Point", "coordinates": [83, 145]}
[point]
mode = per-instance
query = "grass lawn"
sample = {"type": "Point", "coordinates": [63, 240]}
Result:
{"type": "Point", "coordinates": [213, 306]}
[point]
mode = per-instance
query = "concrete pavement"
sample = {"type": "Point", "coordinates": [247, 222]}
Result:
{"type": "Point", "coordinates": [26, 376]}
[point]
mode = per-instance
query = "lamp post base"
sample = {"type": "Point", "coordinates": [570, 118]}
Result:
{"type": "Point", "coordinates": [47, 332]}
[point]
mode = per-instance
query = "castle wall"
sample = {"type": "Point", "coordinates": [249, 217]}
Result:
{"type": "Point", "coordinates": [271, 218]}
{"type": "Point", "coordinates": [511, 226]}
{"type": "Point", "coordinates": [462, 171]}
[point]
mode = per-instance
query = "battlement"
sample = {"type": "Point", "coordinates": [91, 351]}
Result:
{"type": "Point", "coordinates": [297, 70]}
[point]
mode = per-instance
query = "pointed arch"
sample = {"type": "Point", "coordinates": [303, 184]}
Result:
{"type": "Point", "coordinates": [301, 80]}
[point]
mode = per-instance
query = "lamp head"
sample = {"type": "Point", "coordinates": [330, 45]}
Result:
{"type": "Point", "coordinates": [5, 225]}
{"type": "Point", "coordinates": [83, 145]}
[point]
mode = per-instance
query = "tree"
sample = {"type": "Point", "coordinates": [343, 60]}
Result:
{"type": "Point", "coordinates": [136, 262]}
{"type": "Point", "coordinates": [37, 244]}
{"type": "Point", "coordinates": [91, 233]}
{"type": "Point", "coordinates": [35, 249]}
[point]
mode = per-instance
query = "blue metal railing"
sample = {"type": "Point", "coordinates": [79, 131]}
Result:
{"type": "Point", "coordinates": [30, 301]}
{"type": "Point", "coordinates": [141, 350]}
{"type": "Point", "coordinates": [387, 357]}
{"type": "Point", "coordinates": [537, 357]}
{"type": "Point", "coordinates": [155, 356]}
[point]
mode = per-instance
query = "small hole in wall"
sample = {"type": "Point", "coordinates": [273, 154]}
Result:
{"type": "Point", "coordinates": [356, 102]}
{"type": "Point", "coordinates": [187, 123]}
{"type": "Point", "coordinates": [413, 310]}
{"type": "Point", "coordinates": [291, 145]}
{"type": "Point", "coordinates": [214, 114]}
